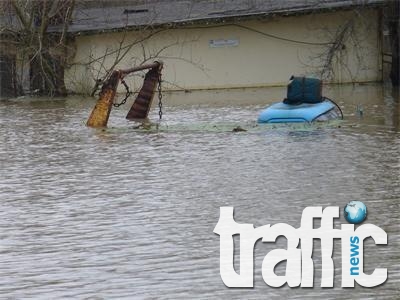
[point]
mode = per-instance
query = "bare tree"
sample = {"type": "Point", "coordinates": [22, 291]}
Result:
{"type": "Point", "coordinates": [339, 51]}
{"type": "Point", "coordinates": [333, 51]}
{"type": "Point", "coordinates": [394, 28]}
{"type": "Point", "coordinates": [139, 49]}
{"type": "Point", "coordinates": [42, 50]}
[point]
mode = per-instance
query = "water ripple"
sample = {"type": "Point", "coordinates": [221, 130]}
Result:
{"type": "Point", "coordinates": [121, 213]}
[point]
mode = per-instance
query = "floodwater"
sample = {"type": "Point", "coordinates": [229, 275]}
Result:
{"type": "Point", "coordinates": [125, 213]}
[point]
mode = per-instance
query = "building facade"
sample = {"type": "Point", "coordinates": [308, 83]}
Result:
{"type": "Point", "coordinates": [337, 45]}
{"type": "Point", "coordinates": [215, 44]}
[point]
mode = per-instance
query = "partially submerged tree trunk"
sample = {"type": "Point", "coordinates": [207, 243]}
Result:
{"type": "Point", "coordinates": [47, 75]}
{"type": "Point", "coordinates": [8, 86]}
{"type": "Point", "coordinates": [394, 32]}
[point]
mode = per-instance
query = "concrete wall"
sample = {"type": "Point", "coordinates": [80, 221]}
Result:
{"type": "Point", "coordinates": [265, 53]}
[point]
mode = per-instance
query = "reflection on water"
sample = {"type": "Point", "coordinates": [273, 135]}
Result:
{"type": "Point", "coordinates": [122, 213]}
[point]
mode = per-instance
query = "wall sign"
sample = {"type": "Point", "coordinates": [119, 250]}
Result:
{"type": "Point", "coordinates": [222, 43]}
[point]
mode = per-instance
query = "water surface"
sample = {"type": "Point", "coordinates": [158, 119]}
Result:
{"type": "Point", "coordinates": [125, 213]}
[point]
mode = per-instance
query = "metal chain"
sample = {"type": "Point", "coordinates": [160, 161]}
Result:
{"type": "Point", "coordinates": [128, 93]}
{"type": "Point", "coordinates": [160, 104]}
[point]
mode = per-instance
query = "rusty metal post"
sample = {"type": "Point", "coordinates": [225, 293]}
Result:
{"type": "Point", "coordinates": [101, 112]}
{"type": "Point", "coordinates": [142, 104]}
{"type": "Point", "coordinates": [155, 64]}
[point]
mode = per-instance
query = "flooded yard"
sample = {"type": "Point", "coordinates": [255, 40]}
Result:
{"type": "Point", "coordinates": [124, 213]}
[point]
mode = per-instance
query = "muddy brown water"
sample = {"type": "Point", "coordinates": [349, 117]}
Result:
{"type": "Point", "coordinates": [125, 213]}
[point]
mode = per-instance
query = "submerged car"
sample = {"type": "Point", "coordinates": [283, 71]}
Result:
{"type": "Point", "coordinates": [304, 103]}
{"type": "Point", "coordinates": [306, 112]}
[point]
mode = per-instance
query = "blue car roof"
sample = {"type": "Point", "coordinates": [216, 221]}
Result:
{"type": "Point", "coordinates": [305, 112]}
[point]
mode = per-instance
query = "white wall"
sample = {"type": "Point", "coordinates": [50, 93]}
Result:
{"type": "Point", "coordinates": [253, 60]}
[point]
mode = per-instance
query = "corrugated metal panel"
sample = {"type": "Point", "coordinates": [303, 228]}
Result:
{"type": "Point", "coordinates": [89, 17]}
{"type": "Point", "coordinates": [105, 15]}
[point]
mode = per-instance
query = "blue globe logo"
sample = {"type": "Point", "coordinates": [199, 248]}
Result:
{"type": "Point", "coordinates": [355, 212]}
